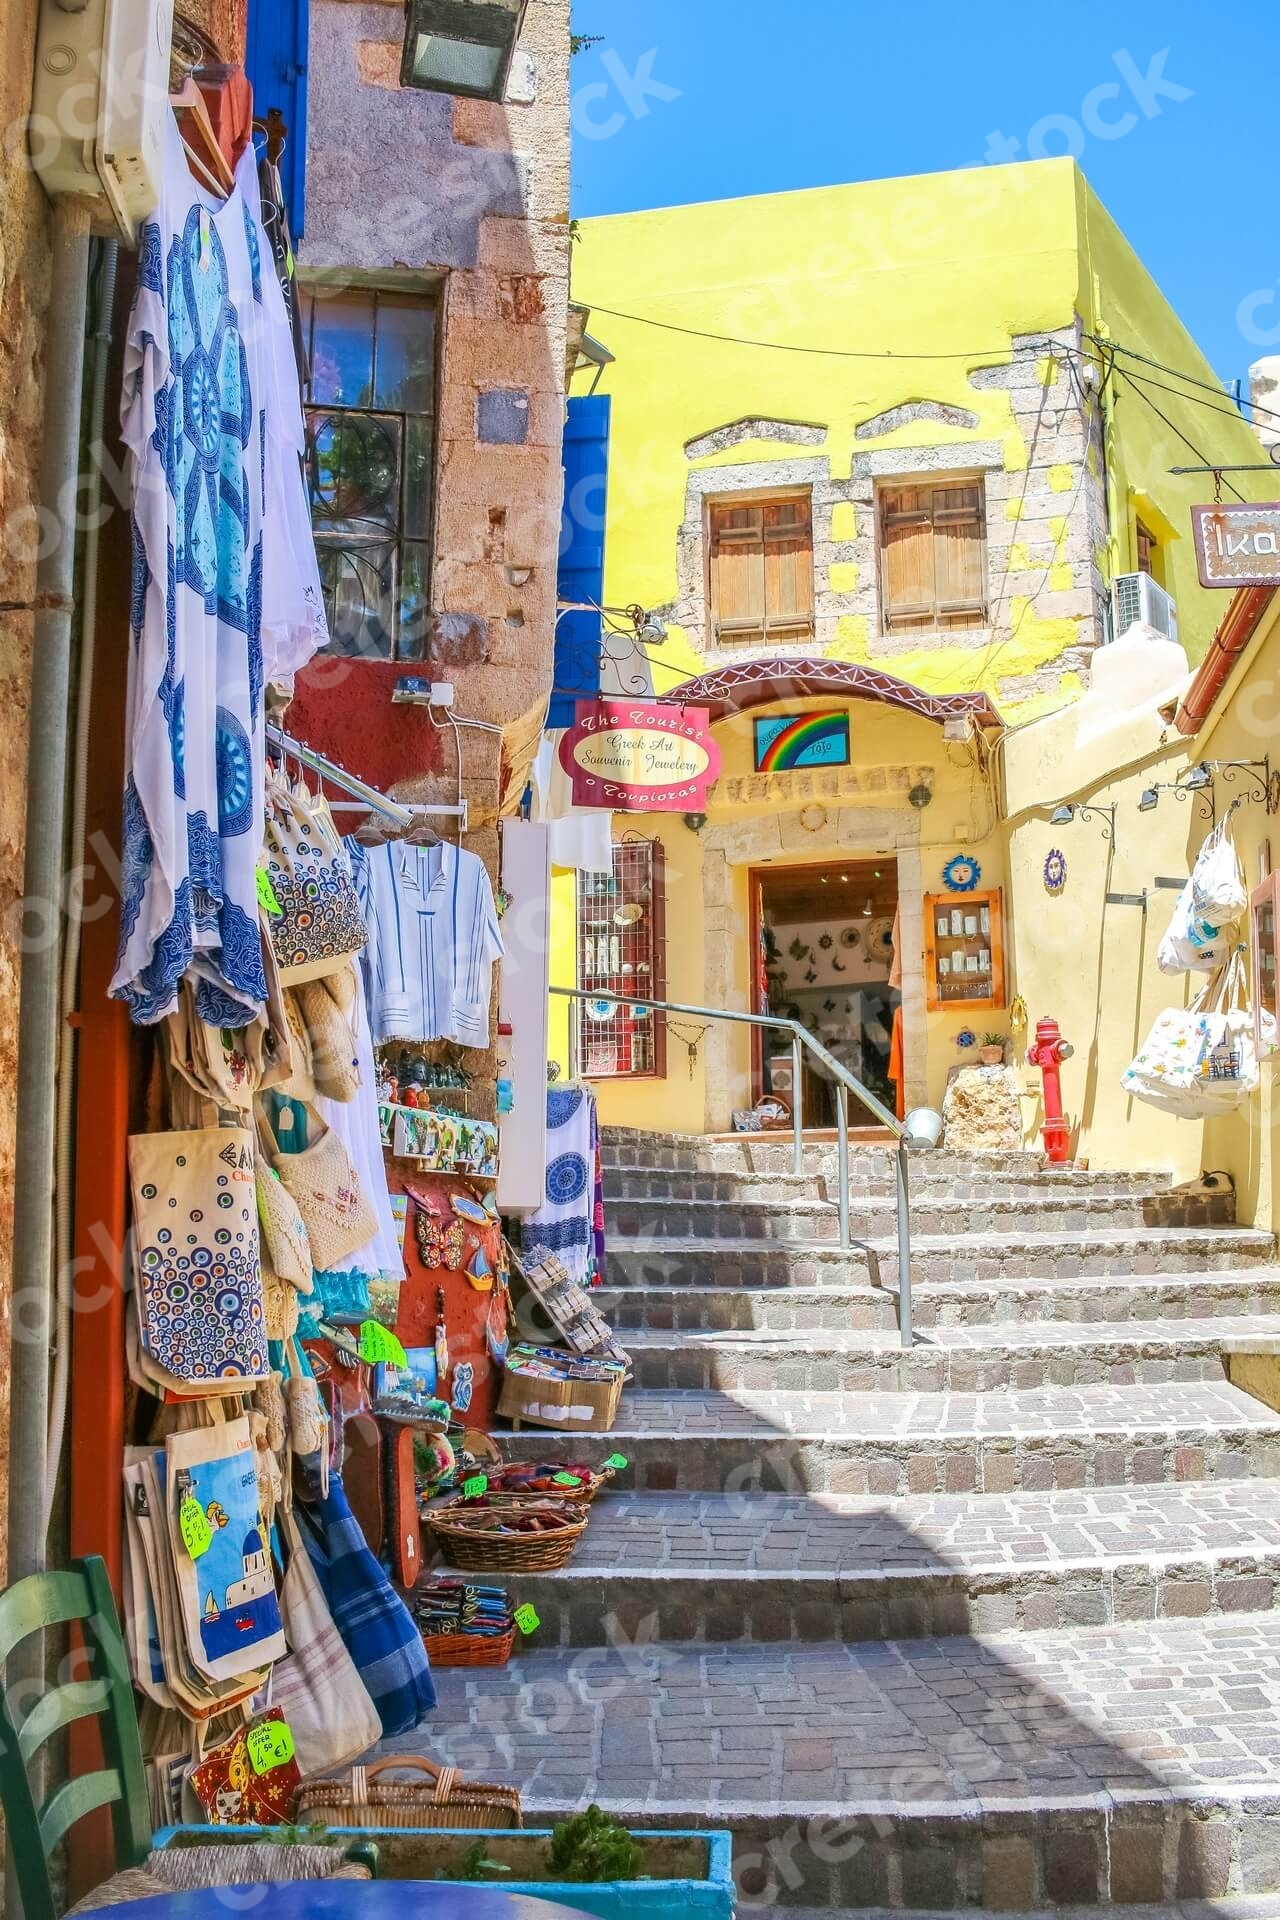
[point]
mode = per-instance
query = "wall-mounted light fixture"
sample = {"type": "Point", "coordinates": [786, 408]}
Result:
{"type": "Point", "coordinates": [919, 797]}
{"type": "Point", "coordinates": [461, 46]}
{"type": "Point", "coordinates": [1064, 815]}
{"type": "Point", "coordinates": [695, 821]}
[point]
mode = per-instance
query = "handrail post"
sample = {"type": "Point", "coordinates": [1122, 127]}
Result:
{"type": "Point", "coordinates": [904, 1246]}
{"type": "Point", "coordinates": [842, 1152]}
{"type": "Point", "coordinates": [797, 1103]}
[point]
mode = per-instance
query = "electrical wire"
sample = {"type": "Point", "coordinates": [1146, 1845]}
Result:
{"type": "Point", "coordinates": [1138, 387]}
{"type": "Point", "coordinates": [1191, 379]}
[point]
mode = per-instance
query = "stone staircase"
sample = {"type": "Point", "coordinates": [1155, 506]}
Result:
{"type": "Point", "coordinates": [989, 1623]}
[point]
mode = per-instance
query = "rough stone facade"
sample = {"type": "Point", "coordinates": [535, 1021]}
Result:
{"type": "Point", "coordinates": [24, 292]}
{"type": "Point", "coordinates": [1045, 523]}
{"type": "Point", "coordinates": [408, 188]}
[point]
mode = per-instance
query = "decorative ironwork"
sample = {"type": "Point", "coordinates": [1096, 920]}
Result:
{"type": "Point", "coordinates": [739, 685]}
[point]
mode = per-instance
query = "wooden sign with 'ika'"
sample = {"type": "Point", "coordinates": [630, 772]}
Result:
{"type": "Point", "coordinates": [1238, 546]}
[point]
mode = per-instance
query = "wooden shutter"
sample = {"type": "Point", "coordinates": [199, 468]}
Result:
{"type": "Point", "coordinates": [762, 571]}
{"type": "Point", "coordinates": [906, 558]}
{"type": "Point", "coordinates": [932, 557]}
{"type": "Point", "coordinates": [959, 552]}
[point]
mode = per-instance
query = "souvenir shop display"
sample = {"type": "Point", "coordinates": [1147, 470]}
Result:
{"type": "Point", "coordinates": [1206, 920]}
{"type": "Point", "coordinates": [464, 1625]}
{"type": "Point", "coordinates": [570, 1223]}
{"type": "Point", "coordinates": [1204, 1059]}
{"type": "Point", "coordinates": [313, 910]}
{"type": "Point", "coordinates": [440, 1140]}
{"type": "Point", "coordinates": [546, 1387]}
{"type": "Point", "coordinates": [534, 1536]}
{"type": "Point", "coordinates": [433, 932]}
{"type": "Point", "coordinates": [568, 1307]}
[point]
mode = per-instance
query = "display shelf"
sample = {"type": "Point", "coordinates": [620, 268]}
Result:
{"type": "Point", "coordinates": [964, 951]}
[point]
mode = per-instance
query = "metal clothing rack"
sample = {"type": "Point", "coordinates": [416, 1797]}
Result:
{"type": "Point", "coordinates": [363, 796]}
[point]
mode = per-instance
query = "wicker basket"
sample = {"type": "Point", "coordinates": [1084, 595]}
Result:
{"type": "Point", "coordinates": [470, 1649]}
{"type": "Point", "coordinates": [472, 1541]}
{"type": "Point", "coordinates": [579, 1496]}
{"type": "Point", "coordinates": [366, 1800]}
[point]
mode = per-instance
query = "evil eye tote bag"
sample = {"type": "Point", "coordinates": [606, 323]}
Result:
{"type": "Point", "coordinates": [201, 1313]}
{"type": "Point", "coordinates": [319, 925]}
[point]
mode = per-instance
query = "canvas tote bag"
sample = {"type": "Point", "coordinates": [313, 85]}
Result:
{"type": "Point", "coordinates": [335, 1209]}
{"type": "Point", "coordinates": [317, 1687]}
{"type": "Point", "coordinates": [320, 925]}
{"type": "Point", "coordinates": [201, 1313]}
{"type": "Point", "coordinates": [1203, 1059]}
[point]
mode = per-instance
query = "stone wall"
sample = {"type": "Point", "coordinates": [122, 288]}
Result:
{"type": "Point", "coordinates": [24, 292]}
{"type": "Point", "coordinates": [408, 186]}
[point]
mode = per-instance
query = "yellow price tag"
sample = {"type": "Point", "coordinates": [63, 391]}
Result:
{"type": "Point", "coordinates": [193, 1525]}
{"type": "Point", "coordinates": [475, 1486]}
{"type": "Point", "coordinates": [618, 1461]}
{"type": "Point", "coordinates": [267, 895]}
{"type": "Point", "coordinates": [566, 1480]}
{"type": "Point", "coordinates": [268, 1746]}
{"type": "Point", "coordinates": [378, 1344]}
{"type": "Point", "coordinates": [527, 1620]}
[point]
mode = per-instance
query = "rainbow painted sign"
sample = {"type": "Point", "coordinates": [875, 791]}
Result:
{"type": "Point", "coordinates": [785, 742]}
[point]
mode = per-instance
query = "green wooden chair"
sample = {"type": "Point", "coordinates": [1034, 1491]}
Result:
{"type": "Point", "coordinates": [81, 1594]}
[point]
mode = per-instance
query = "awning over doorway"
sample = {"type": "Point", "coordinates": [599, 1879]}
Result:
{"type": "Point", "coordinates": [742, 684]}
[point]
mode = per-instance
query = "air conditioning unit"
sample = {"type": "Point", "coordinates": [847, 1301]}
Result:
{"type": "Point", "coordinates": [100, 104]}
{"type": "Point", "coordinates": [1136, 597]}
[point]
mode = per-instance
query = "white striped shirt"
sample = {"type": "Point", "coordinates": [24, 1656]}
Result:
{"type": "Point", "coordinates": [433, 939]}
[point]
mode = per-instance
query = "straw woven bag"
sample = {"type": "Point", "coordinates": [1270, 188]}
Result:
{"type": "Point", "coordinates": [334, 1066]}
{"type": "Point", "coordinates": [283, 1232]}
{"type": "Point", "coordinates": [440, 1799]}
{"type": "Point", "coordinates": [334, 1206]}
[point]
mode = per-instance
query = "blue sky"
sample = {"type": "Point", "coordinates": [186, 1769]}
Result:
{"type": "Point", "coordinates": [811, 92]}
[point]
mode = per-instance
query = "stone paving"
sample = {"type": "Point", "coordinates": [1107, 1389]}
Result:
{"type": "Point", "coordinates": [993, 1624]}
{"type": "Point", "coordinates": [1132, 1712]}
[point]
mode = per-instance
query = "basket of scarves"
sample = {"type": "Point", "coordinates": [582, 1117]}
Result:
{"type": "Point", "coordinates": [535, 1536]}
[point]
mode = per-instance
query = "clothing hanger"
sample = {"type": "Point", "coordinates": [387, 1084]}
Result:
{"type": "Point", "coordinates": [277, 134]}
{"type": "Point", "coordinates": [204, 155]}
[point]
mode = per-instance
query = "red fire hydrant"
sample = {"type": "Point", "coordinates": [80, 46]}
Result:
{"type": "Point", "coordinates": [1048, 1052]}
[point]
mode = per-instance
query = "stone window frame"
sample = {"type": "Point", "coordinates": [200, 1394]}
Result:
{"type": "Point", "coordinates": [761, 479]}
{"type": "Point", "coordinates": [975, 461]}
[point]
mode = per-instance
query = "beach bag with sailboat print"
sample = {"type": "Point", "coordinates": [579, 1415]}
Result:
{"type": "Point", "coordinates": [201, 1313]}
{"type": "Point", "coordinates": [319, 926]}
{"type": "Point", "coordinates": [222, 1551]}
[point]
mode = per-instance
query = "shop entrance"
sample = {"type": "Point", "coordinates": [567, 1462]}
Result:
{"type": "Point", "coordinates": [823, 941]}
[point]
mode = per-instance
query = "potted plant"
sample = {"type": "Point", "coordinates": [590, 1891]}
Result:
{"type": "Point", "coordinates": [991, 1052]}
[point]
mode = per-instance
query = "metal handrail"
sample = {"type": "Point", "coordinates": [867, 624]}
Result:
{"type": "Point", "coordinates": [846, 1084]}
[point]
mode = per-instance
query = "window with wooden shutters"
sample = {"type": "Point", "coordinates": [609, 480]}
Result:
{"type": "Point", "coordinates": [933, 557]}
{"type": "Point", "coordinates": [1148, 551]}
{"type": "Point", "coordinates": [762, 571]}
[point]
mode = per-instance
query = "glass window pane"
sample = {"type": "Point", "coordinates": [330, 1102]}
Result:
{"type": "Point", "coordinates": [355, 471]}
{"type": "Point", "coordinates": [342, 353]}
{"type": "Point", "coordinates": [417, 479]}
{"type": "Point", "coordinates": [406, 370]}
{"type": "Point", "coordinates": [414, 603]}
{"type": "Point", "coordinates": [359, 584]}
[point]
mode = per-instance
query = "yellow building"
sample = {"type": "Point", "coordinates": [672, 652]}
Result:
{"type": "Point", "coordinates": [893, 457]}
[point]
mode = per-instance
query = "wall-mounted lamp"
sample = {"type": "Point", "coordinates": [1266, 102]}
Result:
{"type": "Point", "coordinates": [1064, 815]}
{"type": "Point", "coordinates": [695, 821]}
{"type": "Point", "coordinates": [919, 797]}
{"type": "Point", "coordinates": [1197, 778]}
{"type": "Point", "coordinates": [1150, 800]}
{"type": "Point", "coordinates": [461, 46]}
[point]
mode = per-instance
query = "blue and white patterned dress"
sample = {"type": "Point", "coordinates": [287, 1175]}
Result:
{"type": "Point", "coordinates": [193, 416]}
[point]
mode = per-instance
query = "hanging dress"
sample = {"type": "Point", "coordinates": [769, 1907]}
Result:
{"type": "Point", "coordinates": [193, 419]}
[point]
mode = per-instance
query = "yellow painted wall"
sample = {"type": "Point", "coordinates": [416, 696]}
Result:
{"type": "Point", "coordinates": [1120, 301]}
{"type": "Point", "coordinates": [930, 278]}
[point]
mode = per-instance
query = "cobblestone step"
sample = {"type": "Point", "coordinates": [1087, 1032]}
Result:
{"type": "Point", "coordinates": [1126, 1764]}
{"type": "Point", "coordinates": [873, 1178]}
{"type": "Point", "coordinates": [785, 1217]}
{"type": "Point", "coordinates": [898, 1443]}
{"type": "Point", "coordinates": [644, 1260]}
{"type": "Point", "coordinates": [944, 1359]}
{"type": "Point", "coordinates": [717, 1568]}
{"type": "Point", "coordinates": [972, 1304]}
